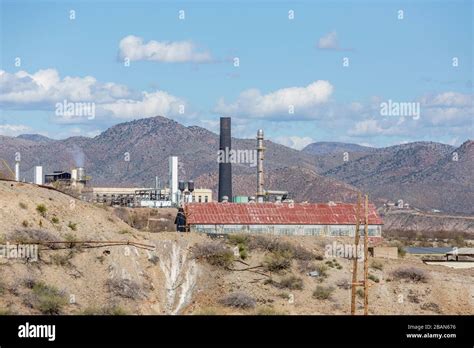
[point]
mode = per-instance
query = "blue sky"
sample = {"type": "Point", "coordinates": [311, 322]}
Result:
{"type": "Point", "coordinates": [184, 69]}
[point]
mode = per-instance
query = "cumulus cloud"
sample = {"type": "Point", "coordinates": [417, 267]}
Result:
{"type": "Point", "coordinates": [45, 89]}
{"type": "Point", "coordinates": [150, 104]}
{"type": "Point", "coordinates": [46, 86]}
{"type": "Point", "coordinates": [133, 48]}
{"type": "Point", "coordinates": [294, 142]}
{"type": "Point", "coordinates": [253, 104]}
{"type": "Point", "coordinates": [13, 130]}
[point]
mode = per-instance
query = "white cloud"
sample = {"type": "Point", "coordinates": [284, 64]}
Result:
{"type": "Point", "coordinates": [150, 104]}
{"type": "Point", "coordinates": [294, 142]}
{"type": "Point", "coordinates": [251, 103]}
{"type": "Point", "coordinates": [46, 87]}
{"type": "Point", "coordinates": [133, 48]}
{"type": "Point", "coordinates": [329, 41]}
{"type": "Point", "coordinates": [12, 130]}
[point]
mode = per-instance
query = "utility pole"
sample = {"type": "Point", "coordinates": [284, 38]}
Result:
{"type": "Point", "coordinates": [356, 258]}
{"type": "Point", "coordinates": [366, 257]}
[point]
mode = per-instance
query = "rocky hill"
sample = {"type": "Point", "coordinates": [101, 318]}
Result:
{"type": "Point", "coordinates": [423, 174]}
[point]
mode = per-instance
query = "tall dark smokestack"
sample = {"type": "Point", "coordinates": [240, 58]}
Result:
{"type": "Point", "coordinates": [225, 167]}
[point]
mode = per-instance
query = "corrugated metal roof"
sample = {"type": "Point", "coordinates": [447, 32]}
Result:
{"type": "Point", "coordinates": [272, 214]}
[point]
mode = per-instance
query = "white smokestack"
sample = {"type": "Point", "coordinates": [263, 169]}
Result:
{"type": "Point", "coordinates": [39, 175]}
{"type": "Point", "coordinates": [17, 171]}
{"type": "Point", "coordinates": [173, 167]}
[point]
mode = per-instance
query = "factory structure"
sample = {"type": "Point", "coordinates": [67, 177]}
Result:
{"type": "Point", "coordinates": [272, 211]}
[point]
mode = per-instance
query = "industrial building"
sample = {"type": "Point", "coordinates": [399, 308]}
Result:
{"type": "Point", "coordinates": [272, 211]}
{"type": "Point", "coordinates": [300, 219]}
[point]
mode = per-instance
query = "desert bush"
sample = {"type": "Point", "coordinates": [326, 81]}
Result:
{"type": "Point", "coordinates": [72, 225]}
{"type": "Point", "coordinates": [343, 284]}
{"type": "Point", "coordinates": [376, 265]}
{"type": "Point", "coordinates": [273, 244]}
{"type": "Point", "coordinates": [24, 223]}
{"type": "Point", "coordinates": [410, 273]}
{"type": "Point", "coordinates": [32, 236]}
{"type": "Point", "coordinates": [360, 293]}
{"type": "Point", "coordinates": [46, 299]}
{"type": "Point", "coordinates": [431, 306]}
{"type": "Point", "coordinates": [208, 311]}
{"type": "Point", "coordinates": [291, 282]}
{"type": "Point", "coordinates": [63, 260]}
{"type": "Point", "coordinates": [23, 205]}
{"type": "Point", "coordinates": [54, 220]}
{"type": "Point", "coordinates": [267, 310]}
{"type": "Point", "coordinates": [238, 239]}
{"type": "Point", "coordinates": [215, 253]}
{"type": "Point", "coordinates": [125, 288]}
{"type": "Point", "coordinates": [277, 261]}
{"type": "Point", "coordinates": [238, 300]}
{"type": "Point", "coordinates": [322, 269]}
{"type": "Point", "coordinates": [108, 310]}
{"type": "Point", "coordinates": [41, 209]}
{"type": "Point", "coordinates": [305, 266]}
{"type": "Point", "coordinates": [323, 292]}
{"type": "Point", "coordinates": [374, 278]}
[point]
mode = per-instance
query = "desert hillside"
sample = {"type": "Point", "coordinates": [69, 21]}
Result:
{"type": "Point", "coordinates": [122, 270]}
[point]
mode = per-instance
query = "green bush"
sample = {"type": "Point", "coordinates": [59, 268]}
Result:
{"type": "Point", "coordinates": [54, 220]}
{"type": "Point", "coordinates": [41, 208]}
{"type": "Point", "coordinates": [374, 278]}
{"type": "Point", "coordinates": [360, 293]}
{"type": "Point", "coordinates": [214, 253]}
{"type": "Point", "coordinates": [47, 299]}
{"type": "Point", "coordinates": [291, 282]}
{"type": "Point", "coordinates": [72, 226]}
{"type": "Point", "coordinates": [323, 292]}
{"type": "Point", "coordinates": [277, 261]}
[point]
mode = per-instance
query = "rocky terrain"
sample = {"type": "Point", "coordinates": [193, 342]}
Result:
{"type": "Point", "coordinates": [427, 175]}
{"type": "Point", "coordinates": [188, 273]}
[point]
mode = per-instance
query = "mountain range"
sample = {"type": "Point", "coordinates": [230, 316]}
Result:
{"type": "Point", "coordinates": [427, 175]}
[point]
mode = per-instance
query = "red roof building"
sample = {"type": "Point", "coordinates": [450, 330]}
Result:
{"type": "Point", "coordinates": [332, 219]}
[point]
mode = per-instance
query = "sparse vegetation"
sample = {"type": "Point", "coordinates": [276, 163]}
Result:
{"type": "Point", "coordinates": [410, 273]}
{"type": "Point", "coordinates": [24, 223]}
{"type": "Point", "coordinates": [360, 293]}
{"type": "Point", "coordinates": [323, 292]}
{"type": "Point", "coordinates": [41, 209]}
{"type": "Point", "coordinates": [238, 300]}
{"type": "Point", "coordinates": [208, 311]}
{"type": "Point", "coordinates": [54, 220]}
{"type": "Point", "coordinates": [267, 310]}
{"type": "Point", "coordinates": [124, 231]}
{"type": "Point", "coordinates": [33, 236]}
{"type": "Point", "coordinates": [271, 244]}
{"type": "Point", "coordinates": [46, 299]}
{"type": "Point", "coordinates": [322, 269]}
{"type": "Point", "coordinates": [431, 306]}
{"type": "Point", "coordinates": [72, 226]}
{"type": "Point", "coordinates": [374, 278]}
{"type": "Point", "coordinates": [215, 253]}
{"type": "Point", "coordinates": [376, 265]}
{"type": "Point", "coordinates": [125, 288]}
{"type": "Point", "coordinates": [109, 310]}
{"type": "Point", "coordinates": [63, 259]}
{"type": "Point", "coordinates": [277, 261]}
{"type": "Point", "coordinates": [23, 205]}
{"type": "Point", "coordinates": [291, 282]}
{"type": "Point", "coordinates": [343, 284]}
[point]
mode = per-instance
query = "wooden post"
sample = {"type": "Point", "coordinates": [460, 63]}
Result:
{"type": "Point", "coordinates": [366, 257]}
{"type": "Point", "coordinates": [354, 263]}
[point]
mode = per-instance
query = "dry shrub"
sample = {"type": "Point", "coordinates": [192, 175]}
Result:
{"type": "Point", "coordinates": [272, 244]}
{"type": "Point", "coordinates": [344, 284]}
{"type": "Point", "coordinates": [277, 261]}
{"type": "Point", "coordinates": [125, 288]}
{"type": "Point", "coordinates": [291, 282]}
{"type": "Point", "coordinates": [323, 292]}
{"type": "Point", "coordinates": [45, 298]}
{"type": "Point", "coordinates": [410, 273]}
{"type": "Point", "coordinates": [216, 253]}
{"type": "Point", "coordinates": [32, 236]}
{"type": "Point", "coordinates": [238, 300]}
